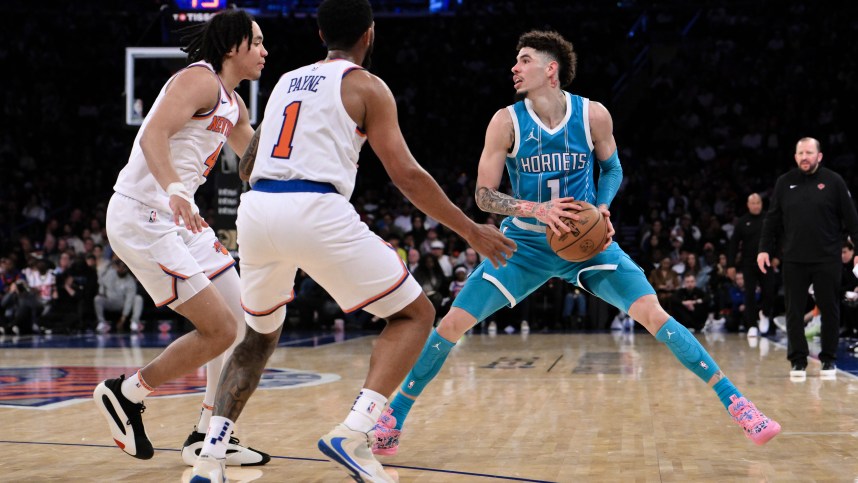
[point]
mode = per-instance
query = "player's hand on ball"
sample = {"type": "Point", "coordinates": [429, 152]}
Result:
{"type": "Point", "coordinates": [182, 209]}
{"type": "Point", "coordinates": [489, 242]}
{"type": "Point", "coordinates": [550, 212]}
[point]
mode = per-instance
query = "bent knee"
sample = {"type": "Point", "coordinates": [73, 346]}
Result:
{"type": "Point", "coordinates": [455, 324]}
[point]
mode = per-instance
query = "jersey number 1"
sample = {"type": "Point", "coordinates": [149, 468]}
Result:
{"type": "Point", "coordinates": [283, 148]}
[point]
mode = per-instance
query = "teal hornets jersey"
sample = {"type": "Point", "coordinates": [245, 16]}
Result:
{"type": "Point", "coordinates": [544, 163]}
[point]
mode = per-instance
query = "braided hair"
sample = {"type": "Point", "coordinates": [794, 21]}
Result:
{"type": "Point", "coordinates": [210, 41]}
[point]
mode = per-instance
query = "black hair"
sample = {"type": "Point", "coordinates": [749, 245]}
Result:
{"type": "Point", "coordinates": [212, 40]}
{"type": "Point", "coordinates": [552, 43]}
{"type": "Point", "coordinates": [848, 244]}
{"type": "Point", "coordinates": [342, 22]}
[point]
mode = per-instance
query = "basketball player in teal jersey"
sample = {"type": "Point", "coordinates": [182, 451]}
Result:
{"type": "Point", "coordinates": [551, 142]}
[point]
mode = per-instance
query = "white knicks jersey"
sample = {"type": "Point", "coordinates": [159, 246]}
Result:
{"type": "Point", "coordinates": [194, 148]}
{"type": "Point", "coordinates": [306, 132]}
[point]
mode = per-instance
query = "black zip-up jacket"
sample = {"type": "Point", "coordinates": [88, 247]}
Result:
{"type": "Point", "coordinates": [812, 212]}
{"type": "Point", "coordinates": [747, 231]}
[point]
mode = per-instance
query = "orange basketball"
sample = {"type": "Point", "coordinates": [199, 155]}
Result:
{"type": "Point", "coordinates": [586, 239]}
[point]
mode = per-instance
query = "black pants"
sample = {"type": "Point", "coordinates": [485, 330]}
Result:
{"type": "Point", "coordinates": [825, 278]}
{"type": "Point", "coordinates": [754, 278]}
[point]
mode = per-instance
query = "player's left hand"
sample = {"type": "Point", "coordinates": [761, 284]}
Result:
{"type": "Point", "coordinates": [609, 237]}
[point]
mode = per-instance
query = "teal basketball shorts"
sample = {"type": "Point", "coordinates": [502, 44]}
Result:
{"type": "Point", "coordinates": [611, 275]}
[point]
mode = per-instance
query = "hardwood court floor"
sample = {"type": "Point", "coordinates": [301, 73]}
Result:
{"type": "Point", "coordinates": [547, 407]}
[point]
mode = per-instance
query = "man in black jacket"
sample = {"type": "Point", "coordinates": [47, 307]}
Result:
{"type": "Point", "coordinates": [745, 242]}
{"type": "Point", "coordinates": [811, 208]}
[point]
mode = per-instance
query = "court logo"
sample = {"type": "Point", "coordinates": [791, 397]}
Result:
{"type": "Point", "coordinates": [55, 387]}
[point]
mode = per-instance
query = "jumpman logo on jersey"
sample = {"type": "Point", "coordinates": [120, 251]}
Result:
{"type": "Point", "coordinates": [669, 333]}
{"type": "Point", "coordinates": [531, 136]}
{"type": "Point", "coordinates": [437, 346]}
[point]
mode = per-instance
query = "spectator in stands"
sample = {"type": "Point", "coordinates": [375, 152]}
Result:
{"type": "Point", "coordinates": [437, 250]}
{"type": "Point", "coordinates": [848, 293]}
{"type": "Point", "coordinates": [118, 292]}
{"type": "Point", "coordinates": [691, 304]}
{"type": "Point", "coordinates": [665, 282]}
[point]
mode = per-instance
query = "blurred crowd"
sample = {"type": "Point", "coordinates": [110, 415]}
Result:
{"type": "Point", "coordinates": [708, 101]}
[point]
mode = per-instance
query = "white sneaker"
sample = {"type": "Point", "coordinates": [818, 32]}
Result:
{"type": "Point", "coordinates": [208, 469]}
{"type": "Point", "coordinates": [352, 450]}
{"type": "Point", "coordinates": [753, 333]}
{"type": "Point", "coordinates": [493, 328]}
{"type": "Point", "coordinates": [236, 453]}
{"type": "Point", "coordinates": [136, 327]}
{"type": "Point", "coordinates": [525, 328]}
{"type": "Point", "coordinates": [764, 323]}
{"type": "Point", "coordinates": [102, 328]}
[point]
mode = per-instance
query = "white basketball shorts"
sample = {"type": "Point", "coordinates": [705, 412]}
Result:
{"type": "Point", "coordinates": [160, 254]}
{"type": "Point", "coordinates": [323, 235]}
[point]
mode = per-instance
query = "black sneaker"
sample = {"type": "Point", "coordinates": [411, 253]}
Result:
{"type": "Point", "coordinates": [828, 371]}
{"type": "Point", "coordinates": [236, 454]}
{"type": "Point", "coordinates": [124, 418]}
{"type": "Point", "coordinates": [798, 372]}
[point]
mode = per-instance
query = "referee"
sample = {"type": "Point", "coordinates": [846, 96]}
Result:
{"type": "Point", "coordinates": [811, 208]}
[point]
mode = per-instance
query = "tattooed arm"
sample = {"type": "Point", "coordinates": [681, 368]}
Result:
{"type": "Point", "coordinates": [242, 372]}
{"type": "Point", "coordinates": [245, 166]}
{"type": "Point", "coordinates": [500, 136]}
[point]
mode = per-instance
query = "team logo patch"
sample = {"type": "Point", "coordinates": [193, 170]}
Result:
{"type": "Point", "coordinates": [55, 387]}
{"type": "Point", "coordinates": [821, 186]}
{"type": "Point", "coordinates": [218, 247]}
{"type": "Point", "coordinates": [153, 216]}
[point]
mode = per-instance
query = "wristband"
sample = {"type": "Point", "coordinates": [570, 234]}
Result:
{"type": "Point", "coordinates": [178, 189]}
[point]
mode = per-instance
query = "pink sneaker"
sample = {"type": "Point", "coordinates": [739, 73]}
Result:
{"type": "Point", "coordinates": [758, 428]}
{"type": "Point", "coordinates": [386, 436]}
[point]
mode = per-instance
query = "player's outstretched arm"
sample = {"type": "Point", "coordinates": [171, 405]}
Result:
{"type": "Point", "coordinates": [611, 172]}
{"type": "Point", "coordinates": [192, 91]}
{"type": "Point", "coordinates": [385, 137]}
{"type": "Point", "coordinates": [499, 139]}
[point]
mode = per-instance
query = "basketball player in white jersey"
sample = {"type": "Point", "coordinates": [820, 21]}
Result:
{"type": "Point", "coordinates": [156, 229]}
{"type": "Point", "coordinates": [298, 215]}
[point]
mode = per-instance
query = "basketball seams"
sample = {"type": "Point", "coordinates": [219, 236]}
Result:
{"type": "Point", "coordinates": [584, 235]}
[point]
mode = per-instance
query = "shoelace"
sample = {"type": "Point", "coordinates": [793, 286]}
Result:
{"type": "Point", "coordinates": [142, 410]}
{"type": "Point", "coordinates": [751, 414]}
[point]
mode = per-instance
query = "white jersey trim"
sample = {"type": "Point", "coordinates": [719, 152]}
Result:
{"type": "Point", "coordinates": [561, 124]}
{"type": "Point", "coordinates": [516, 131]}
{"type": "Point", "coordinates": [586, 120]}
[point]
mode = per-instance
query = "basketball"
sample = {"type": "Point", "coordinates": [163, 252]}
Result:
{"type": "Point", "coordinates": [586, 239]}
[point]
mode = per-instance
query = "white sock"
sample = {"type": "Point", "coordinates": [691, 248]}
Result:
{"type": "Point", "coordinates": [205, 417]}
{"type": "Point", "coordinates": [365, 411]}
{"type": "Point", "coordinates": [217, 437]}
{"type": "Point", "coordinates": [135, 388]}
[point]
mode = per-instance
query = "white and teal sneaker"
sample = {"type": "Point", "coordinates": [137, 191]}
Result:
{"type": "Point", "coordinates": [353, 451]}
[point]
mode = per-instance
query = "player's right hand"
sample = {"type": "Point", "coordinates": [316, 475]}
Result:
{"type": "Point", "coordinates": [184, 211]}
{"type": "Point", "coordinates": [763, 261]}
{"type": "Point", "coordinates": [489, 242]}
{"type": "Point", "coordinates": [551, 213]}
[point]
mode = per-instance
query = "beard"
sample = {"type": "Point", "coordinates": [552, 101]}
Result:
{"type": "Point", "coordinates": [367, 59]}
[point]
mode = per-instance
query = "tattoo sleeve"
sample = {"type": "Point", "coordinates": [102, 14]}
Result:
{"type": "Point", "coordinates": [243, 371]}
{"type": "Point", "coordinates": [493, 201]}
{"type": "Point", "coordinates": [245, 166]}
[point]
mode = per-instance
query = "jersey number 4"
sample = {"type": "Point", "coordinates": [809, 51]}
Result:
{"type": "Point", "coordinates": [283, 148]}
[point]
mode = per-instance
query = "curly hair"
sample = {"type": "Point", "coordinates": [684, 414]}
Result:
{"type": "Point", "coordinates": [555, 46]}
{"type": "Point", "coordinates": [210, 41]}
{"type": "Point", "coordinates": [342, 22]}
